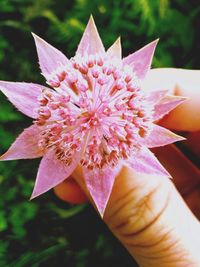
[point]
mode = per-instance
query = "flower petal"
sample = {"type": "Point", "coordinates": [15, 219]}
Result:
{"type": "Point", "coordinates": [99, 183]}
{"type": "Point", "coordinates": [155, 96]}
{"type": "Point", "coordinates": [167, 104]}
{"type": "Point", "coordinates": [52, 172]}
{"type": "Point", "coordinates": [23, 95]}
{"type": "Point", "coordinates": [160, 136]}
{"type": "Point", "coordinates": [25, 146]}
{"type": "Point", "coordinates": [145, 162]}
{"type": "Point", "coordinates": [115, 50]}
{"type": "Point", "coordinates": [90, 42]}
{"type": "Point", "coordinates": [50, 58]}
{"type": "Point", "coordinates": [141, 59]}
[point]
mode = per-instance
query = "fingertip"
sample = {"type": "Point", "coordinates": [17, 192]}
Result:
{"type": "Point", "coordinates": [180, 82]}
{"type": "Point", "coordinates": [69, 191]}
{"type": "Point", "coordinates": [185, 117]}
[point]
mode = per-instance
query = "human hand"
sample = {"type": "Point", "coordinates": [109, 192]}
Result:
{"type": "Point", "coordinates": [146, 213]}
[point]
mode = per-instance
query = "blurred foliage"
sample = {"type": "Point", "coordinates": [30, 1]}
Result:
{"type": "Point", "coordinates": [46, 231]}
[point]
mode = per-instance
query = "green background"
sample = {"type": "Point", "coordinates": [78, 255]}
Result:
{"type": "Point", "coordinates": [46, 231]}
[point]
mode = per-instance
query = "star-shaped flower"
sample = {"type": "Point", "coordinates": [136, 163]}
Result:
{"type": "Point", "coordinates": [95, 115]}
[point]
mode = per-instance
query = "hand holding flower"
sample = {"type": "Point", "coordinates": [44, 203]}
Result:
{"type": "Point", "coordinates": [97, 116]}
{"type": "Point", "coordinates": [147, 213]}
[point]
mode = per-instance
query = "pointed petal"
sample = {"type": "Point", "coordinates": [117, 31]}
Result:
{"type": "Point", "coordinates": [167, 104]}
{"type": "Point", "coordinates": [141, 59]}
{"type": "Point", "coordinates": [115, 50]}
{"type": "Point", "coordinates": [144, 161]}
{"type": "Point", "coordinates": [52, 172]}
{"type": "Point", "coordinates": [23, 95]}
{"type": "Point", "coordinates": [155, 96]}
{"type": "Point", "coordinates": [25, 146]}
{"type": "Point", "coordinates": [160, 136]}
{"type": "Point", "coordinates": [99, 183]}
{"type": "Point", "coordinates": [90, 42]}
{"type": "Point", "coordinates": [50, 58]}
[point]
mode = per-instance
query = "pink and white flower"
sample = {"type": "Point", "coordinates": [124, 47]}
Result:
{"type": "Point", "coordinates": [95, 114]}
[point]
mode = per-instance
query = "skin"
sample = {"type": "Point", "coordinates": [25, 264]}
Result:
{"type": "Point", "coordinates": [148, 213]}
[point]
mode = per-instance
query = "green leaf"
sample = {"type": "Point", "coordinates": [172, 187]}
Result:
{"type": "Point", "coordinates": [3, 221]}
{"type": "Point", "coordinates": [20, 214]}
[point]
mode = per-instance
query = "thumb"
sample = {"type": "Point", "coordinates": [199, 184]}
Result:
{"type": "Point", "coordinates": [149, 217]}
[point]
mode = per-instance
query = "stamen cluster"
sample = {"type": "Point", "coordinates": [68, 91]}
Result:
{"type": "Point", "coordinates": [97, 101]}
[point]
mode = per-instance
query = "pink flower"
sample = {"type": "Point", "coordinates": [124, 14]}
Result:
{"type": "Point", "coordinates": [95, 114]}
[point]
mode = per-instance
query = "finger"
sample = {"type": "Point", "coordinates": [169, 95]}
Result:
{"type": "Point", "coordinates": [186, 174]}
{"type": "Point", "coordinates": [142, 211]}
{"type": "Point", "coordinates": [193, 201]}
{"type": "Point", "coordinates": [69, 191]}
{"type": "Point", "coordinates": [192, 143]}
{"type": "Point", "coordinates": [185, 117]}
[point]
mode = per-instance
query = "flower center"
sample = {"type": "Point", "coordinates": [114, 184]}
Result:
{"type": "Point", "coordinates": [96, 109]}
